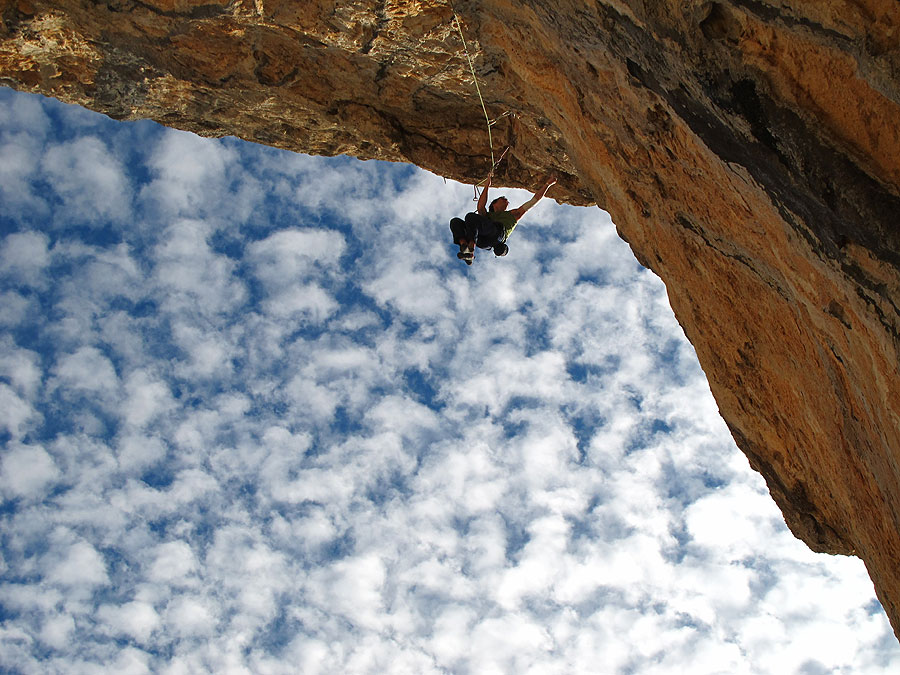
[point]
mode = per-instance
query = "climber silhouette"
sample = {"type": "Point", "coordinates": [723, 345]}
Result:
{"type": "Point", "coordinates": [490, 227]}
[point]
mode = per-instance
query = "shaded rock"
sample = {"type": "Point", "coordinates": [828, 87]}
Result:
{"type": "Point", "coordinates": [747, 149]}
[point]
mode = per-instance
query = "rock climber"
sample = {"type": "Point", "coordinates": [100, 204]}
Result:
{"type": "Point", "coordinates": [490, 227]}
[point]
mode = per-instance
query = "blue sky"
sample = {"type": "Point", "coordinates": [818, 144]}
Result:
{"type": "Point", "coordinates": [257, 418]}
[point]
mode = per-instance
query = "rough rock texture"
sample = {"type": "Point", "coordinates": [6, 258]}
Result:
{"type": "Point", "coordinates": [749, 151]}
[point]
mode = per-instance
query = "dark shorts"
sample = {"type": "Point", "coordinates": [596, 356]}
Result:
{"type": "Point", "coordinates": [483, 231]}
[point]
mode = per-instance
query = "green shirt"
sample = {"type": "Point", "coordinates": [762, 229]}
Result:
{"type": "Point", "coordinates": [506, 220]}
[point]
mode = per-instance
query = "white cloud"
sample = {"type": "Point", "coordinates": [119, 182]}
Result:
{"type": "Point", "coordinates": [76, 565]}
{"type": "Point", "coordinates": [21, 367]}
{"type": "Point", "coordinates": [136, 620]}
{"type": "Point", "coordinates": [25, 113]}
{"type": "Point", "coordinates": [730, 521]}
{"type": "Point", "coordinates": [174, 563]}
{"type": "Point", "coordinates": [26, 470]}
{"type": "Point", "coordinates": [13, 309]}
{"type": "Point", "coordinates": [255, 574]}
{"type": "Point", "coordinates": [24, 257]}
{"type": "Point", "coordinates": [190, 176]}
{"type": "Point", "coordinates": [512, 643]}
{"type": "Point", "coordinates": [353, 588]}
{"type": "Point", "coordinates": [57, 631]}
{"type": "Point", "coordinates": [23, 128]}
{"type": "Point", "coordinates": [209, 352]}
{"type": "Point", "coordinates": [130, 661]}
{"type": "Point", "coordinates": [194, 277]}
{"type": "Point", "coordinates": [284, 261]}
{"type": "Point", "coordinates": [107, 274]}
{"type": "Point", "coordinates": [15, 412]}
{"type": "Point", "coordinates": [289, 255]}
{"type": "Point", "coordinates": [18, 164]}
{"type": "Point", "coordinates": [137, 452]}
{"type": "Point", "coordinates": [419, 293]}
{"type": "Point", "coordinates": [90, 181]}
{"type": "Point", "coordinates": [189, 617]}
{"type": "Point", "coordinates": [190, 485]}
{"type": "Point", "coordinates": [311, 400]}
{"type": "Point", "coordinates": [88, 369]}
{"type": "Point", "coordinates": [309, 300]}
{"type": "Point", "coordinates": [182, 158]}
{"type": "Point", "coordinates": [146, 398]}
{"type": "Point", "coordinates": [506, 374]}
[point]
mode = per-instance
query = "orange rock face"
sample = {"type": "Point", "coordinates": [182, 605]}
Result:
{"type": "Point", "coordinates": [749, 151]}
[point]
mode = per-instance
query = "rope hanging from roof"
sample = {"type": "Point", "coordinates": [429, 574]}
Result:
{"type": "Point", "coordinates": [487, 118]}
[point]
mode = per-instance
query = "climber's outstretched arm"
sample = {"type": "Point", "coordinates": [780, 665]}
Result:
{"type": "Point", "coordinates": [482, 200]}
{"type": "Point", "coordinates": [534, 200]}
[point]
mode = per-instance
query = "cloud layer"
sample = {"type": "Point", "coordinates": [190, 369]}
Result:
{"type": "Point", "coordinates": [258, 418]}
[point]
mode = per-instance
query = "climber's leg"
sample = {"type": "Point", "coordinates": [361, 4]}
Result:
{"type": "Point", "coordinates": [458, 228]}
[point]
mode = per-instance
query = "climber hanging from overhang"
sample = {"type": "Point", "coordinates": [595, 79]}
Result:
{"type": "Point", "coordinates": [490, 226]}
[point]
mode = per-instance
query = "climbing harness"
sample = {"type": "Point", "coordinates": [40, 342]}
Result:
{"type": "Point", "coordinates": [487, 118]}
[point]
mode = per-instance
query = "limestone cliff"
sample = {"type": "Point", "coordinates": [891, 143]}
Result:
{"type": "Point", "coordinates": [749, 151]}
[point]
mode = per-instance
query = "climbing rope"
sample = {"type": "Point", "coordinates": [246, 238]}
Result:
{"type": "Point", "coordinates": [487, 118]}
